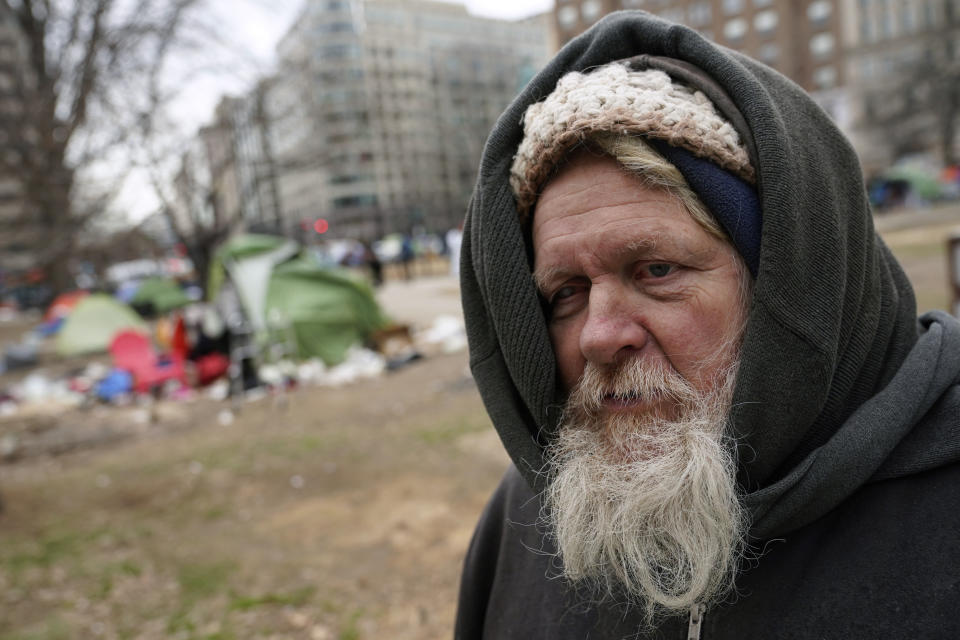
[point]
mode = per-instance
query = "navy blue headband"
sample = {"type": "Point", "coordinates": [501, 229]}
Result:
{"type": "Point", "coordinates": [732, 201]}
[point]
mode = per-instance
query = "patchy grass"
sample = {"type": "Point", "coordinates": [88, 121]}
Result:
{"type": "Point", "coordinates": [344, 517]}
{"type": "Point", "coordinates": [18, 556]}
{"type": "Point", "coordinates": [350, 630]}
{"type": "Point", "coordinates": [452, 429]}
{"type": "Point", "coordinates": [922, 251]}
{"type": "Point", "coordinates": [53, 629]}
{"type": "Point", "coordinates": [293, 598]}
{"type": "Point", "coordinates": [203, 579]}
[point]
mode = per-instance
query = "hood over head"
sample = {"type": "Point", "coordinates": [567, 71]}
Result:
{"type": "Point", "coordinates": [832, 378]}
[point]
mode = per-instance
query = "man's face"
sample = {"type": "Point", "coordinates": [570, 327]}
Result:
{"type": "Point", "coordinates": [647, 309]}
{"type": "Point", "coordinates": [627, 273]}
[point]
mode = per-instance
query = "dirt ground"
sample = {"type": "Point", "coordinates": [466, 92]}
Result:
{"type": "Point", "coordinates": [327, 514]}
{"type": "Point", "coordinates": [330, 513]}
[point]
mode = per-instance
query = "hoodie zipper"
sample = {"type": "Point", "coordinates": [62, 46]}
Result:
{"type": "Point", "coordinates": [696, 622]}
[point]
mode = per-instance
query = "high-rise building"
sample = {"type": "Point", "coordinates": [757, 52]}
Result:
{"type": "Point", "coordinates": [903, 65]}
{"type": "Point", "coordinates": [22, 232]}
{"type": "Point", "coordinates": [799, 38]}
{"type": "Point", "coordinates": [380, 111]}
{"type": "Point", "coordinates": [888, 71]}
{"type": "Point", "coordinates": [248, 159]}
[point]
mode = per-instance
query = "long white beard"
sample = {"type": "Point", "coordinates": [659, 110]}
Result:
{"type": "Point", "coordinates": [646, 505]}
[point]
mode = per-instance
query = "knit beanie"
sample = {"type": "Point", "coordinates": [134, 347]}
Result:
{"type": "Point", "coordinates": [678, 122]}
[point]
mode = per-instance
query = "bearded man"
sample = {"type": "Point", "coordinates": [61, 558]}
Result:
{"type": "Point", "coordinates": [724, 416]}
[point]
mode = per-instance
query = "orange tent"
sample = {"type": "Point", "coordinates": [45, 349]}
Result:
{"type": "Point", "coordinates": [63, 304]}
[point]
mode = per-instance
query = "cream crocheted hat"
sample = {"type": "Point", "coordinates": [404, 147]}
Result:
{"type": "Point", "coordinates": [614, 98]}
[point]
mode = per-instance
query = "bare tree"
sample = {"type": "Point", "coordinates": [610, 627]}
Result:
{"type": "Point", "coordinates": [86, 81]}
{"type": "Point", "coordinates": [917, 104]}
{"type": "Point", "coordinates": [199, 203]}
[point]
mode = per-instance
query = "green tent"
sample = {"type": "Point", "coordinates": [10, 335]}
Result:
{"type": "Point", "coordinates": [326, 310]}
{"type": "Point", "coordinates": [922, 182]}
{"type": "Point", "coordinates": [92, 324]}
{"type": "Point", "coordinates": [163, 294]}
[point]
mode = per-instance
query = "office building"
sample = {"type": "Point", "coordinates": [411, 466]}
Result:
{"type": "Point", "coordinates": [379, 114]}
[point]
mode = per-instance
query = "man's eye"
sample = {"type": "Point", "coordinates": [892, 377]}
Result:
{"type": "Point", "coordinates": [562, 293]}
{"type": "Point", "coordinates": [660, 269]}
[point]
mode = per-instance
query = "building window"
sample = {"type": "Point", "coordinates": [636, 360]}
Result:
{"type": "Point", "coordinates": [673, 15]}
{"type": "Point", "coordinates": [928, 14]}
{"type": "Point", "coordinates": [731, 7]}
{"type": "Point", "coordinates": [567, 17]}
{"type": "Point", "coordinates": [821, 45]}
{"type": "Point", "coordinates": [907, 21]}
{"type": "Point", "coordinates": [765, 21]}
{"type": "Point", "coordinates": [769, 53]}
{"type": "Point", "coordinates": [819, 12]}
{"type": "Point", "coordinates": [886, 21]}
{"type": "Point", "coordinates": [735, 29]}
{"type": "Point", "coordinates": [590, 10]}
{"type": "Point", "coordinates": [700, 14]}
{"type": "Point", "coordinates": [825, 77]}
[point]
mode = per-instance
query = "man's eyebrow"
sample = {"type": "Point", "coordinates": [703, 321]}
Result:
{"type": "Point", "coordinates": [640, 246]}
{"type": "Point", "coordinates": [544, 276]}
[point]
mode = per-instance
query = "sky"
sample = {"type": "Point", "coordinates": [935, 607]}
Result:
{"type": "Point", "coordinates": [260, 24]}
{"type": "Point", "coordinates": [505, 9]}
{"type": "Point", "coordinates": [253, 28]}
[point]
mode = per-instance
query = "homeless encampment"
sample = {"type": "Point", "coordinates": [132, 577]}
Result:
{"type": "Point", "coordinates": [157, 296]}
{"type": "Point", "coordinates": [324, 311]}
{"type": "Point", "coordinates": [92, 324]}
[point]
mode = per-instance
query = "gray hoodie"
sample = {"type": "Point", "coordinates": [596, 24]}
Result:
{"type": "Point", "coordinates": [840, 387]}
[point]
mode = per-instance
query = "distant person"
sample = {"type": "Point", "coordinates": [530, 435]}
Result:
{"type": "Point", "coordinates": [725, 419]}
{"type": "Point", "coordinates": [406, 256]}
{"type": "Point", "coordinates": [372, 260]}
{"type": "Point", "coordinates": [453, 239]}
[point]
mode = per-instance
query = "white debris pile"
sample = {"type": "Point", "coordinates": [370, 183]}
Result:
{"type": "Point", "coordinates": [447, 332]}
{"type": "Point", "coordinates": [38, 389]}
{"type": "Point", "coordinates": [359, 364]}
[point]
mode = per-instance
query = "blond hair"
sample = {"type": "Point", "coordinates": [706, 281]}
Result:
{"type": "Point", "coordinates": [641, 160]}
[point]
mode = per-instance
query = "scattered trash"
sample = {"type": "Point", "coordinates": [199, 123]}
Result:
{"type": "Point", "coordinates": [9, 447]}
{"type": "Point", "coordinates": [393, 342]}
{"type": "Point", "coordinates": [254, 395]}
{"type": "Point", "coordinates": [117, 383]}
{"type": "Point", "coordinates": [219, 390]}
{"type": "Point", "coordinates": [448, 332]}
{"type": "Point", "coordinates": [402, 361]}
{"type": "Point", "coordinates": [195, 467]}
{"type": "Point", "coordinates": [225, 417]}
{"type": "Point", "coordinates": [271, 374]}
{"type": "Point", "coordinates": [297, 482]}
{"type": "Point", "coordinates": [311, 371]}
{"type": "Point", "coordinates": [7, 407]}
{"type": "Point", "coordinates": [22, 355]}
{"type": "Point", "coordinates": [359, 364]}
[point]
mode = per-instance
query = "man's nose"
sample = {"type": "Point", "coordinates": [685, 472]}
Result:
{"type": "Point", "coordinates": [614, 328]}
